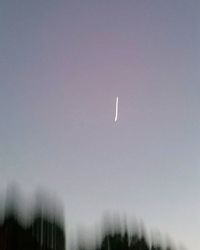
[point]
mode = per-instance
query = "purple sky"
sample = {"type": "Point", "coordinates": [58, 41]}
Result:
{"type": "Point", "coordinates": [62, 64]}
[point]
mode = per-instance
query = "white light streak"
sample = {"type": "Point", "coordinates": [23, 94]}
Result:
{"type": "Point", "coordinates": [116, 109]}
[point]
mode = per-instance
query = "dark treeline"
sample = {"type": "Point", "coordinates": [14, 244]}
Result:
{"type": "Point", "coordinates": [125, 241]}
{"type": "Point", "coordinates": [40, 228]}
{"type": "Point", "coordinates": [116, 235]}
{"type": "Point", "coordinates": [43, 229]}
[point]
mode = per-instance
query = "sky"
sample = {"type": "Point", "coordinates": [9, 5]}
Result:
{"type": "Point", "coordinates": [62, 64]}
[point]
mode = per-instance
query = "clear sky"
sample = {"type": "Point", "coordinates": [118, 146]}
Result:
{"type": "Point", "coordinates": [62, 64]}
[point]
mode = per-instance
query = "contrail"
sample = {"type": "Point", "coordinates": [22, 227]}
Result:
{"type": "Point", "coordinates": [116, 109]}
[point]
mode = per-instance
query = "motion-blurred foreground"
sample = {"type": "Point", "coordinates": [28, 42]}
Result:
{"type": "Point", "coordinates": [42, 228]}
{"type": "Point", "coordinates": [38, 228]}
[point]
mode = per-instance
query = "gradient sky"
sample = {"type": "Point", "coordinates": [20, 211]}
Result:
{"type": "Point", "coordinates": [62, 64]}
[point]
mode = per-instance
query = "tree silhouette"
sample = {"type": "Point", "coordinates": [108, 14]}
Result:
{"type": "Point", "coordinates": [116, 239]}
